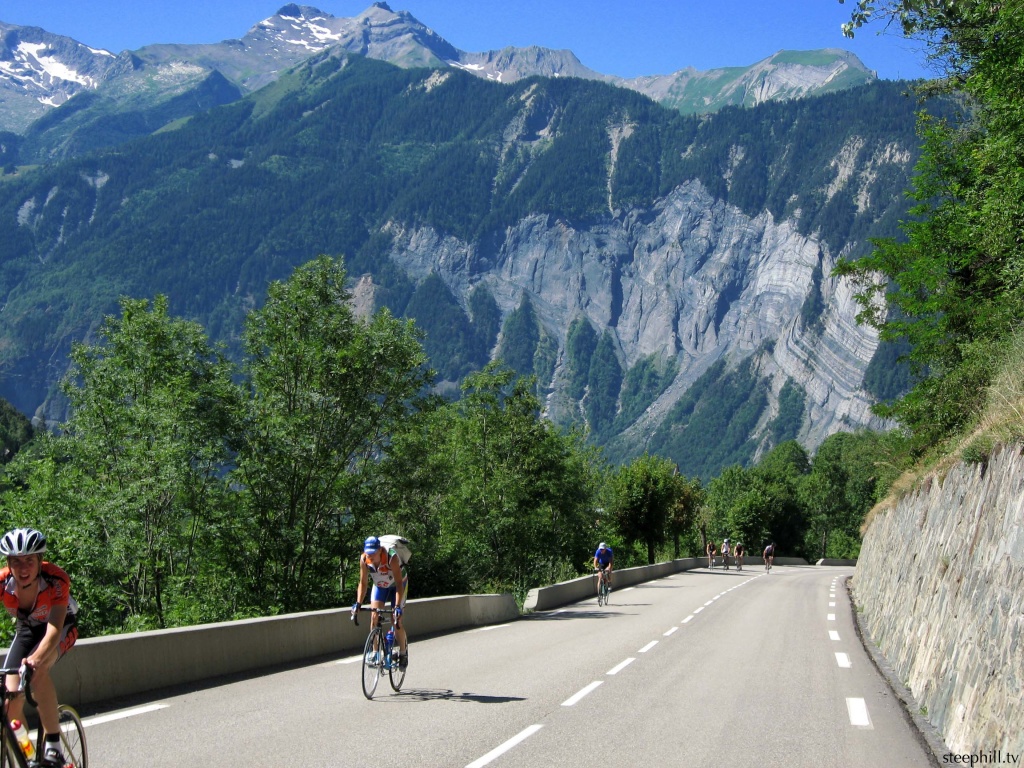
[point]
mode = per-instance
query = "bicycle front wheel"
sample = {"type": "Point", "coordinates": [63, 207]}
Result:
{"type": "Point", "coordinates": [607, 591]}
{"type": "Point", "coordinates": [72, 737]}
{"type": "Point", "coordinates": [373, 661]}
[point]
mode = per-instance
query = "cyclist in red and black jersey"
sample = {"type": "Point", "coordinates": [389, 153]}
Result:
{"type": "Point", "coordinates": [37, 594]}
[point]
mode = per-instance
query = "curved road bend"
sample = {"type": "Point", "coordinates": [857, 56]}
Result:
{"type": "Point", "coordinates": [736, 668]}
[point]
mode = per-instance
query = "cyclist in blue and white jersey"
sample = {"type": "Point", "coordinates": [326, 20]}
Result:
{"type": "Point", "coordinates": [604, 559]}
{"type": "Point", "coordinates": [390, 585]}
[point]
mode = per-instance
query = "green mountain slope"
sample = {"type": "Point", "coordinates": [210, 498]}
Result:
{"type": "Point", "coordinates": [342, 153]}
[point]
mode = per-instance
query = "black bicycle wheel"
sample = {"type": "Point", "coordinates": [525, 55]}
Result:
{"type": "Point", "coordinates": [396, 674]}
{"type": "Point", "coordinates": [72, 737]}
{"type": "Point", "coordinates": [607, 591]}
{"type": "Point", "coordinates": [373, 661]}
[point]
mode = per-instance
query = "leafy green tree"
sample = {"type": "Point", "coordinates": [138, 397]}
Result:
{"type": "Point", "coordinates": [522, 492]}
{"type": "Point", "coordinates": [326, 390]}
{"type": "Point", "coordinates": [146, 449]}
{"type": "Point", "coordinates": [690, 497]}
{"type": "Point", "coordinates": [645, 493]}
{"type": "Point", "coordinates": [952, 287]}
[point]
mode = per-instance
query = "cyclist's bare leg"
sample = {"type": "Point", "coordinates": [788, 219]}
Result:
{"type": "Point", "coordinates": [45, 694]}
{"type": "Point", "coordinates": [16, 703]}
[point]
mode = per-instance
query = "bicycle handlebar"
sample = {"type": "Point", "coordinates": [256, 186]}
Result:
{"type": "Point", "coordinates": [384, 611]}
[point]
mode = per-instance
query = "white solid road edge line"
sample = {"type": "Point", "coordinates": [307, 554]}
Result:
{"type": "Point", "coordinates": [581, 693]}
{"type": "Point", "coordinates": [858, 713]}
{"type": "Point", "coordinates": [87, 721]}
{"type": "Point", "coordinates": [494, 626]}
{"type": "Point", "coordinates": [621, 666]}
{"type": "Point", "coordinates": [500, 750]}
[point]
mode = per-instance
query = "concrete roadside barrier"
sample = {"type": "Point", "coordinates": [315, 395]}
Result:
{"type": "Point", "coordinates": [574, 590]}
{"type": "Point", "coordinates": [113, 666]}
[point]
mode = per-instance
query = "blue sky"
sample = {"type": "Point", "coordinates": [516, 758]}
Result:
{"type": "Point", "coordinates": [617, 37]}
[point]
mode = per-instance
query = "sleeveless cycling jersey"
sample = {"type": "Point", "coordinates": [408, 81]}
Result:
{"type": "Point", "coordinates": [381, 574]}
{"type": "Point", "coordinates": [54, 590]}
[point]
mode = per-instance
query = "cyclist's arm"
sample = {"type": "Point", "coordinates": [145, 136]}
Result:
{"type": "Point", "coordinates": [362, 580]}
{"type": "Point", "coordinates": [45, 654]}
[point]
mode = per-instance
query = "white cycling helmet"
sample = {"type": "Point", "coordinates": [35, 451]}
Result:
{"type": "Point", "coordinates": [22, 541]}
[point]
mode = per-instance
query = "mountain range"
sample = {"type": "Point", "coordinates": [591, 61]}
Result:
{"type": "Point", "coordinates": [138, 92]}
{"type": "Point", "coordinates": [663, 272]}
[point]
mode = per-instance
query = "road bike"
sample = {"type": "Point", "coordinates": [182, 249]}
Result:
{"type": "Point", "coordinates": [603, 587]}
{"type": "Point", "coordinates": [380, 654]}
{"type": "Point", "coordinates": [72, 732]}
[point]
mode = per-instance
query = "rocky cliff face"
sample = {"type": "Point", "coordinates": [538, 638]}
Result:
{"type": "Point", "coordinates": [692, 279]}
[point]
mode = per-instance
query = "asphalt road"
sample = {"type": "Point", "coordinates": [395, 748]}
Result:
{"type": "Point", "coordinates": [721, 667]}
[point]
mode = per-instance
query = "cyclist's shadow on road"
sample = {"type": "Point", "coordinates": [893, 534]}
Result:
{"type": "Point", "coordinates": [438, 694]}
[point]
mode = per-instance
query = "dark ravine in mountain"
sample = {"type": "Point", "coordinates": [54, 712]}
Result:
{"type": "Point", "coordinates": [139, 92]}
{"type": "Point", "coordinates": [681, 242]}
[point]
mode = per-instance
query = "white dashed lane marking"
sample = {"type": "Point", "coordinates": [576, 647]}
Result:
{"type": "Point", "coordinates": [648, 647]}
{"type": "Point", "coordinates": [581, 693]}
{"type": "Point", "coordinates": [621, 666]}
{"type": "Point", "coordinates": [123, 714]}
{"type": "Point", "coordinates": [843, 660]}
{"type": "Point", "coordinates": [858, 711]}
{"type": "Point", "coordinates": [833, 635]}
{"type": "Point", "coordinates": [500, 750]}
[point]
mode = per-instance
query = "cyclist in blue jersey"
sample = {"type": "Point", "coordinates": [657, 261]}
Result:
{"type": "Point", "coordinates": [390, 585]}
{"type": "Point", "coordinates": [604, 558]}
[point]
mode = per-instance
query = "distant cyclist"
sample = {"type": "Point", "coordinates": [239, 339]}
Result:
{"type": "Point", "coordinates": [769, 556]}
{"type": "Point", "coordinates": [725, 553]}
{"type": "Point", "coordinates": [712, 551]}
{"type": "Point", "coordinates": [37, 594]}
{"type": "Point", "coordinates": [390, 585]}
{"type": "Point", "coordinates": [738, 553]}
{"type": "Point", "coordinates": [604, 559]}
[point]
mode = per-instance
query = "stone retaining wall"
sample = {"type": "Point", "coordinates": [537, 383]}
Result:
{"type": "Point", "coordinates": [940, 584]}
